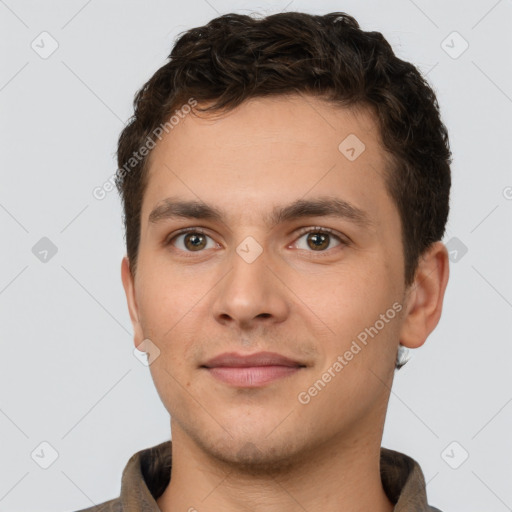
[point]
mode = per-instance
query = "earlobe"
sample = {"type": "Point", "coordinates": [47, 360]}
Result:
{"type": "Point", "coordinates": [129, 290]}
{"type": "Point", "coordinates": [425, 296]}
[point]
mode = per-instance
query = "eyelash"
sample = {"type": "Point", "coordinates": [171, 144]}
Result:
{"type": "Point", "coordinates": [315, 229]}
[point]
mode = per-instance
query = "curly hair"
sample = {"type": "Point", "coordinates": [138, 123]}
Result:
{"type": "Point", "coordinates": [236, 57]}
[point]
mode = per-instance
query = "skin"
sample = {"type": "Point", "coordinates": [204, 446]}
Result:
{"type": "Point", "coordinates": [260, 449]}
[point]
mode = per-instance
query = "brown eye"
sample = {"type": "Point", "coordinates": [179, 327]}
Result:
{"type": "Point", "coordinates": [195, 241]}
{"type": "Point", "coordinates": [319, 240]}
{"type": "Point", "coordinates": [192, 240]}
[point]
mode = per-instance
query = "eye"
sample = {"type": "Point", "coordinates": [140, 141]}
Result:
{"type": "Point", "coordinates": [316, 238]}
{"type": "Point", "coordinates": [319, 239]}
{"type": "Point", "coordinates": [191, 240]}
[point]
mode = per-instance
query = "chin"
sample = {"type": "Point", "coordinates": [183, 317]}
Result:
{"type": "Point", "coordinates": [254, 459]}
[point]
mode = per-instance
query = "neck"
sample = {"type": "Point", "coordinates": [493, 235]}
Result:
{"type": "Point", "coordinates": [336, 475]}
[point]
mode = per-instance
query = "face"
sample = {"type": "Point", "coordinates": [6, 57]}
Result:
{"type": "Point", "coordinates": [297, 253]}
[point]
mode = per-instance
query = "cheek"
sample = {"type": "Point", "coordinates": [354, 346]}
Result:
{"type": "Point", "coordinates": [172, 313]}
{"type": "Point", "coordinates": [347, 298]}
{"type": "Point", "coordinates": [357, 308]}
{"type": "Point", "coordinates": [163, 295]}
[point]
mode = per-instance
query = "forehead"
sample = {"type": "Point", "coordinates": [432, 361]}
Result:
{"type": "Point", "coordinates": [272, 149]}
{"type": "Point", "coordinates": [293, 119]}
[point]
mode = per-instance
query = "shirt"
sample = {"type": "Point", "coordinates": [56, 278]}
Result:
{"type": "Point", "coordinates": [148, 473]}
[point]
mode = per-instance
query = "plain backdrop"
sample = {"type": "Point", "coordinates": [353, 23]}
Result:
{"type": "Point", "coordinates": [68, 375]}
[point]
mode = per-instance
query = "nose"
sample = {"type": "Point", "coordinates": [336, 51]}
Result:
{"type": "Point", "coordinates": [251, 294]}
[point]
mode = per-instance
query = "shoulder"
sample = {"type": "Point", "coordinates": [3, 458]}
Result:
{"type": "Point", "coordinates": [404, 482]}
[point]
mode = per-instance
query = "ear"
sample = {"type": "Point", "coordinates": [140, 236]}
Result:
{"type": "Point", "coordinates": [129, 290]}
{"type": "Point", "coordinates": [425, 295]}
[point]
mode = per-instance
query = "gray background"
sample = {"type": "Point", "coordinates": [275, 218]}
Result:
{"type": "Point", "coordinates": [68, 376]}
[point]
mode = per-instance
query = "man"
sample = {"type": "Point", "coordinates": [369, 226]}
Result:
{"type": "Point", "coordinates": [285, 184]}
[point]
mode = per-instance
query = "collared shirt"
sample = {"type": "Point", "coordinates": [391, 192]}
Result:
{"type": "Point", "coordinates": [148, 473]}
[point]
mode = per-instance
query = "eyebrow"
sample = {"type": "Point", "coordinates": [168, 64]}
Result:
{"type": "Point", "coordinates": [172, 208]}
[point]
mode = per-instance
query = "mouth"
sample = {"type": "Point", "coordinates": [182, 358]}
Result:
{"type": "Point", "coordinates": [251, 371]}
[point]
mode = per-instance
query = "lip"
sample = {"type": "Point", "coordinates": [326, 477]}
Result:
{"type": "Point", "coordinates": [233, 359]}
{"type": "Point", "coordinates": [252, 370]}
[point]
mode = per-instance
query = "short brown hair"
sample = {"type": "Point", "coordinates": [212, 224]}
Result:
{"type": "Point", "coordinates": [236, 57]}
